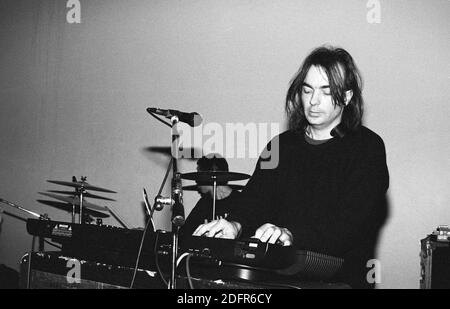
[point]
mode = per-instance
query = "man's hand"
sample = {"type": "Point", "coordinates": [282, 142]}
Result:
{"type": "Point", "coordinates": [274, 235]}
{"type": "Point", "coordinates": [219, 229]}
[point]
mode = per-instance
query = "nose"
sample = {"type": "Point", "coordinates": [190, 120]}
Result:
{"type": "Point", "coordinates": [315, 100]}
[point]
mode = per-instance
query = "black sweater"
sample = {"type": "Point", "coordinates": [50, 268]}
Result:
{"type": "Point", "coordinates": [330, 196]}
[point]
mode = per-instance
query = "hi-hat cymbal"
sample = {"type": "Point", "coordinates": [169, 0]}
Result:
{"type": "Point", "coordinates": [68, 207]}
{"type": "Point", "coordinates": [80, 184]}
{"type": "Point", "coordinates": [195, 187]}
{"type": "Point", "coordinates": [74, 200]}
{"type": "Point", "coordinates": [74, 193]}
{"type": "Point", "coordinates": [210, 176]}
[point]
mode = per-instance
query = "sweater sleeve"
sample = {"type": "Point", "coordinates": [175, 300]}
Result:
{"type": "Point", "coordinates": [195, 218]}
{"type": "Point", "coordinates": [359, 213]}
{"type": "Point", "coordinates": [253, 207]}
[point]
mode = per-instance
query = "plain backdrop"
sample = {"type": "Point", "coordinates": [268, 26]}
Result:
{"type": "Point", "coordinates": [73, 98]}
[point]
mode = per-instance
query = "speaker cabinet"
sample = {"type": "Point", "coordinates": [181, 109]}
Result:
{"type": "Point", "coordinates": [435, 260]}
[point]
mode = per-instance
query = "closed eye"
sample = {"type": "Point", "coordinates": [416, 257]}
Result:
{"type": "Point", "coordinates": [306, 90]}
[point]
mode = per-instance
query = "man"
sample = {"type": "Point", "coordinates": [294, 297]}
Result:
{"type": "Point", "coordinates": [225, 196]}
{"type": "Point", "coordinates": [327, 192]}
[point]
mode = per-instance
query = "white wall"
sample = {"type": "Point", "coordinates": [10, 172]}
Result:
{"type": "Point", "coordinates": [73, 97]}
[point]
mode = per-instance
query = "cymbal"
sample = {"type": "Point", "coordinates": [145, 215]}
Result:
{"type": "Point", "coordinates": [195, 187]}
{"type": "Point", "coordinates": [80, 184]}
{"type": "Point", "coordinates": [210, 176]}
{"type": "Point", "coordinates": [73, 193]}
{"type": "Point", "coordinates": [74, 200]}
{"type": "Point", "coordinates": [68, 207]}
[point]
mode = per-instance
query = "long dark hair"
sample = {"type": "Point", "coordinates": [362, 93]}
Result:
{"type": "Point", "coordinates": [342, 75]}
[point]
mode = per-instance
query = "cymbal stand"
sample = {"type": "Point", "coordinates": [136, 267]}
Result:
{"type": "Point", "coordinates": [73, 212]}
{"type": "Point", "coordinates": [214, 198]}
{"type": "Point", "coordinates": [82, 191]}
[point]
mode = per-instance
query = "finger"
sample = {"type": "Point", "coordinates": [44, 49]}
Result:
{"type": "Point", "coordinates": [227, 236]}
{"type": "Point", "coordinates": [261, 230]}
{"type": "Point", "coordinates": [225, 229]}
{"type": "Point", "coordinates": [285, 239]}
{"type": "Point", "coordinates": [275, 235]}
{"type": "Point", "coordinates": [203, 228]}
{"type": "Point", "coordinates": [200, 230]}
{"type": "Point", "coordinates": [197, 230]}
{"type": "Point", "coordinates": [216, 228]}
{"type": "Point", "coordinates": [267, 234]}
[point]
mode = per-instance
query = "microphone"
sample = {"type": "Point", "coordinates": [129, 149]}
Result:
{"type": "Point", "coordinates": [192, 119]}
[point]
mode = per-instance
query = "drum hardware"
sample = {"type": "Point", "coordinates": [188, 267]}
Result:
{"type": "Point", "coordinates": [78, 197]}
{"type": "Point", "coordinates": [89, 195]}
{"type": "Point", "coordinates": [195, 187]}
{"type": "Point", "coordinates": [74, 200]}
{"type": "Point", "coordinates": [81, 185]}
{"type": "Point", "coordinates": [39, 216]}
{"type": "Point", "coordinates": [214, 178]}
{"type": "Point", "coordinates": [88, 214]}
{"type": "Point", "coordinates": [220, 177]}
{"type": "Point", "coordinates": [117, 217]}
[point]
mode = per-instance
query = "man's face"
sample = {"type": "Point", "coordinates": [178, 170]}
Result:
{"type": "Point", "coordinates": [320, 111]}
{"type": "Point", "coordinates": [201, 188]}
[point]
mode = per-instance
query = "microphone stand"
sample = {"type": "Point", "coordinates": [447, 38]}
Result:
{"type": "Point", "coordinates": [176, 200]}
{"type": "Point", "coordinates": [178, 218]}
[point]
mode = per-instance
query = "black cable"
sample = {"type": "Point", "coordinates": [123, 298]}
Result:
{"type": "Point", "coordinates": [169, 168]}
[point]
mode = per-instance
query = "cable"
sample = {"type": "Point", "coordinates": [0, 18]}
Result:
{"type": "Point", "coordinates": [169, 168]}
{"type": "Point", "coordinates": [188, 272]}
{"type": "Point", "coordinates": [148, 207]}
{"type": "Point", "coordinates": [157, 260]}
{"type": "Point", "coordinates": [139, 254]}
{"type": "Point", "coordinates": [181, 257]}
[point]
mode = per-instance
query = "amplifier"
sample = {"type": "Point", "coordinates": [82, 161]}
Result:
{"type": "Point", "coordinates": [435, 260]}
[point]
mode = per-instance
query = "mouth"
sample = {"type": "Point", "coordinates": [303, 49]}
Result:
{"type": "Point", "coordinates": [314, 114]}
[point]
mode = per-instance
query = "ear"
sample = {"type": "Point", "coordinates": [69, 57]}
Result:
{"type": "Point", "coordinates": [348, 96]}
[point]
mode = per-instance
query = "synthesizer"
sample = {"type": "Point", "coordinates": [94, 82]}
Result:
{"type": "Point", "coordinates": [119, 246]}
